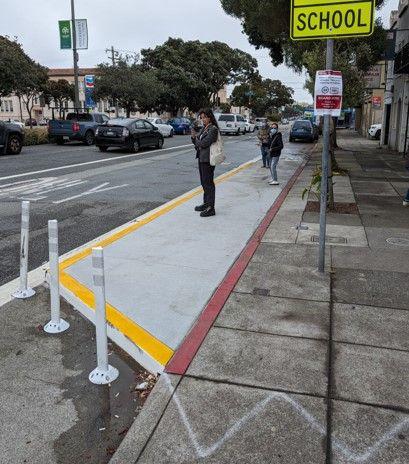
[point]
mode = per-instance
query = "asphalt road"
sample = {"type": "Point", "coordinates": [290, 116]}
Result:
{"type": "Point", "coordinates": [91, 193]}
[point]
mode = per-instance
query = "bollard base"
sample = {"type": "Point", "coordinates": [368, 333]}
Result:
{"type": "Point", "coordinates": [103, 377]}
{"type": "Point", "coordinates": [23, 294]}
{"type": "Point", "coordinates": [56, 327]}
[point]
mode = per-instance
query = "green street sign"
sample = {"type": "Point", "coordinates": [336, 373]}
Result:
{"type": "Point", "coordinates": [65, 35]}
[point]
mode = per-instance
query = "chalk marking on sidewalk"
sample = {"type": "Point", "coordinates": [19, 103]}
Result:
{"type": "Point", "coordinates": [155, 348]}
{"type": "Point", "coordinates": [204, 452]}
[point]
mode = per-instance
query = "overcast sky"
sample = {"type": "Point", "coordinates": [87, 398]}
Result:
{"type": "Point", "coordinates": [134, 24]}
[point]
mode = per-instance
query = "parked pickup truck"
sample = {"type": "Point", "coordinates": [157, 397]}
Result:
{"type": "Point", "coordinates": [76, 126]}
{"type": "Point", "coordinates": [11, 138]}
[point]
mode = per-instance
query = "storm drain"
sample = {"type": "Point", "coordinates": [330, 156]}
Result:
{"type": "Point", "coordinates": [397, 241]}
{"type": "Point", "coordinates": [328, 239]}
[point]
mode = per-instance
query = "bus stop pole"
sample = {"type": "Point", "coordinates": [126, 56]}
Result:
{"type": "Point", "coordinates": [325, 169]}
{"type": "Point", "coordinates": [75, 55]}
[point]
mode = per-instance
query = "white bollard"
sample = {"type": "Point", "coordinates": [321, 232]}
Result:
{"type": "Point", "coordinates": [24, 291]}
{"type": "Point", "coordinates": [56, 325]}
{"type": "Point", "coordinates": [104, 373]}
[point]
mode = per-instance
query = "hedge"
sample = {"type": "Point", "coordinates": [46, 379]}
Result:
{"type": "Point", "coordinates": [35, 136]}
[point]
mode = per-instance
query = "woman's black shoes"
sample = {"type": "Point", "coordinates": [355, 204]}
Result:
{"type": "Point", "coordinates": [201, 208]}
{"type": "Point", "coordinates": [209, 211]}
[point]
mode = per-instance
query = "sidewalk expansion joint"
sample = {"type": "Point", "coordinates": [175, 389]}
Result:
{"type": "Point", "coordinates": [400, 350]}
{"type": "Point", "coordinates": [330, 373]}
{"type": "Point", "coordinates": [254, 387]}
{"type": "Point", "coordinates": [261, 332]}
{"type": "Point", "coordinates": [284, 297]}
{"type": "Point", "coordinates": [387, 407]}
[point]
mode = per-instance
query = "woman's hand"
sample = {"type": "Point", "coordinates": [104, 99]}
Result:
{"type": "Point", "coordinates": [193, 132]}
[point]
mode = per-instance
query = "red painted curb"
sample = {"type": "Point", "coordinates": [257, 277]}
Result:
{"type": "Point", "coordinates": [189, 347]}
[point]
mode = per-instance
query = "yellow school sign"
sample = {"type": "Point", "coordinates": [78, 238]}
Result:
{"type": "Point", "coordinates": [326, 19]}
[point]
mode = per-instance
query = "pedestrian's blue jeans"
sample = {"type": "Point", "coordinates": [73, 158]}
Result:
{"type": "Point", "coordinates": [273, 166]}
{"type": "Point", "coordinates": [265, 155]}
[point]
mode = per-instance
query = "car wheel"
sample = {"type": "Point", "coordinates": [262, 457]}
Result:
{"type": "Point", "coordinates": [159, 144]}
{"type": "Point", "coordinates": [291, 139]}
{"type": "Point", "coordinates": [14, 145]}
{"type": "Point", "coordinates": [89, 138]}
{"type": "Point", "coordinates": [238, 132]}
{"type": "Point", "coordinates": [378, 135]}
{"type": "Point", "coordinates": [102, 148]}
{"type": "Point", "coordinates": [171, 133]}
{"type": "Point", "coordinates": [184, 131]}
{"type": "Point", "coordinates": [135, 147]}
{"type": "Point", "coordinates": [59, 141]}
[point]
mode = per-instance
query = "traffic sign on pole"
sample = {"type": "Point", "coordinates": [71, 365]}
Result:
{"type": "Point", "coordinates": [329, 19]}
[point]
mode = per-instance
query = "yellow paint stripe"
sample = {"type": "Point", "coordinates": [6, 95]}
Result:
{"type": "Point", "coordinates": [139, 336]}
{"type": "Point", "coordinates": [146, 341]}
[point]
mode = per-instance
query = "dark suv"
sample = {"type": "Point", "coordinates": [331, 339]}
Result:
{"type": "Point", "coordinates": [303, 130]}
{"type": "Point", "coordinates": [11, 138]}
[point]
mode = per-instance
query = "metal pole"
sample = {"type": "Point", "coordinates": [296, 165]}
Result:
{"type": "Point", "coordinates": [325, 169]}
{"type": "Point", "coordinates": [104, 373]}
{"type": "Point", "coordinates": [75, 55]}
{"type": "Point", "coordinates": [24, 291]}
{"type": "Point", "coordinates": [56, 325]}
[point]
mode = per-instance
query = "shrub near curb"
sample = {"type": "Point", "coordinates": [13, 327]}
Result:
{"type": "Point", "coordinates": [37, 136]}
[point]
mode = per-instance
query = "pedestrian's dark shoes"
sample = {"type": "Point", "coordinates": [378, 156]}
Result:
{"type": "Point", "coordinates": [208, 212]}
{"type": "Point", "coordinates": [200, 208]}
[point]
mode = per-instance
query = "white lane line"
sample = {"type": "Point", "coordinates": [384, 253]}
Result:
{"type": "Point", "coordinates": [69, 166]}
{"type": "Point", "coordinates": [98, 189]}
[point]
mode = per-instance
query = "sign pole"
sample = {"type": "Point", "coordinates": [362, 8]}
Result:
{"type": "Point", "coordinates": [75, 53]}
{"type": "Point", "coordinates": [325, 168]}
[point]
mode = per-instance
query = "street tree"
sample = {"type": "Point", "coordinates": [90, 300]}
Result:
{"type": "Point", "coordinates": [193, 72]}
{"type": "Point", "coordinates": [262, 96]}
{"type": "Point", "coordinates": [59, 93]}
{"type": "Point", "coordinates": [131, 86]}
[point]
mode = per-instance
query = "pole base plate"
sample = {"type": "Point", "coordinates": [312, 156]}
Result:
{"type": "Point", "coordinates": [24, 294]}
{"type": "Point", "coordinates": [56, 327]}
{"type": "Point", "coordinates": [103, 377]}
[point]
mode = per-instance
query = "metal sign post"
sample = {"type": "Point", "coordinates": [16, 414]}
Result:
{"type": "Point", "coordinates": [75, 55]}
{"type": "Point", "coordinates": [325, 168]}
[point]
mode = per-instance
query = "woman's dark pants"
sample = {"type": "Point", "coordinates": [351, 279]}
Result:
{"type": "Point", "coordinates": [207, 180]}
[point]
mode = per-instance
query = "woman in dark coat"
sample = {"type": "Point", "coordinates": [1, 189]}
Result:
{"type": "Point", "coordinates": [202, 142]}
{"type": "Point", "coordinates": [276, 145]}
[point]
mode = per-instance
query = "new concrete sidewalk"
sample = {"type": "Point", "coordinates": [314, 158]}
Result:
{"type": "Point", "coordinates": [301, 367]}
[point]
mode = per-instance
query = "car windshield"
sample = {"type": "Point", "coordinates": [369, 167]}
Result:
{"type": "Point", "coordinates": [302, 125]}
{"type": "Point", "coordinates": [79, 117]}
{"type": "Point", "coordinates": [119, 122]}
{"type": "Point", "coordinates": [151, 119]}
{"type": "Point", "coordinates": [227, 117]}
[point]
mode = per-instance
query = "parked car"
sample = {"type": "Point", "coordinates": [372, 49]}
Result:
{"type": "Point", "coordinates": [250, 127]}
{"type": "Point", "coordinates": [260, 122]}
{"type": "Point", "coordinates": [284, 121]}
{"type": "Point", "coordinates": [33, 122]}
{"type": "Point", "coordinates": [375, 131]}
{"type": "Point", "coordinates": [302, 130]}
{"type": "Point", "coordinates": [180, 125]}
{"type": "Point", "coordinates": [231, 124]}
{"type": "Point", "coordinates": [18, 123]}
{"type": "Point", "coordinates": [131, 134]}
{"type": "Point", "coordinates": [11, 138]}
{"type": "Point", "coordinates": [76, 126]}
{"type": "Point", "coordinates": [164, 128]}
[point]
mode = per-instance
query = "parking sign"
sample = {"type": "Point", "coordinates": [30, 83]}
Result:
{"type": "Point", "coordinates": [328, 93]}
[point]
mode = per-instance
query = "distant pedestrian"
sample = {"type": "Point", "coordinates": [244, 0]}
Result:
{"type": "Point", "coordinates": [274, 153]}
{"type": "Point", "coordinates": [264, 138]}
{"type": "Point", "coordinates": [202, 140]}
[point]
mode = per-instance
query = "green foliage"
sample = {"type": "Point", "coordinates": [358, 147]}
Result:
{"type": "Point", "coordinates": [134, 88]}
{"type": "Point", "coordinates": [192, 72]}
{"type": "Point", "coordinates": [59, 92]}
{"type": "Point", "coordinates": [267, 23]}
{"type": "Point", "coordinates": [262, 96]}
{"type": "Point", "coordinates": [225, 107]}
{"type": "Point", "coordinates": [315, 185]}
{"type": "Point", "coordinates": [35, 136]}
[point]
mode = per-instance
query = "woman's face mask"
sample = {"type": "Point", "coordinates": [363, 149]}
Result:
{"type": "Point", "coordinates": [273, 131]}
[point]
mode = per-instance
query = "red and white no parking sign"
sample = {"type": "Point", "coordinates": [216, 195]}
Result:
{"type": "Point", "coordinates": [328, 93]}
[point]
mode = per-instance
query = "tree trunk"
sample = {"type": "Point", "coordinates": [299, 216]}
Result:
{"type": "Point", "coordinates": [29, 108]}
{"type": "Point", "coordinates": [21, 108]}
{"type": "Point", "coordinates": [128, 112]}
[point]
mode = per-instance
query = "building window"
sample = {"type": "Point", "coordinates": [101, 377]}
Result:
{"type": "Point", "coordinates": [2, 106]}
{"type": "Point", "coordinates": [11, 105]}
{"type": "Point", "coordinates": [6, 104]}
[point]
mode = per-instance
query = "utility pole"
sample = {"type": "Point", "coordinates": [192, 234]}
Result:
{"type": "Point", "coordinates": [325, 168]}
{"type": "Point", "coordinates": [113, 53]}
{"type": "Point", "coordinates": [75, 53]}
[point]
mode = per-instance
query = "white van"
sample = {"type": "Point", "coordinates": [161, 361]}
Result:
{"type": "Point", "coordinates": [260, 122]}
{"type": "Point", "coordinates": [231, 124]}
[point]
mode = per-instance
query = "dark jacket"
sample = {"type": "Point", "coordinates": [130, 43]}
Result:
{"type": "Point", "coordinates": [276, 144]}
{"type": "Point", "coordinates": [203, 140]}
